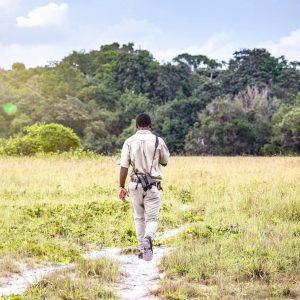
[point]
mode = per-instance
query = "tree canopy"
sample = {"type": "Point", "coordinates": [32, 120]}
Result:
{"type": "Point", "coordinates": [199, 105]}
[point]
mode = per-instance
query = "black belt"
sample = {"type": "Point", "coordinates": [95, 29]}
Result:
{"type": "Point", "coordinates": [155, 183]}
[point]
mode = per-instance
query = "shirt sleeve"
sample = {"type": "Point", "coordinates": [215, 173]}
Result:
{"type": "Point", "coordinates": [164, 153]}
{"type": "Point", "coordinates": [125, 156]}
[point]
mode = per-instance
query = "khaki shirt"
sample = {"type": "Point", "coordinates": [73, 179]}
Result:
{"type": "Point", "coordinates": [138, 151]}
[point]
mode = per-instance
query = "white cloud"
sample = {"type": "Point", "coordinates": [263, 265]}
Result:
{"type": "Point", "coordinates": [39, 54]}
{"type": "Point", "coordinates": [217, 46]}
{"type": "Point", "coordinates": [8, 5]}
{"type": "Point", "coordinates": [221, 46]}
{"type": "Point", "coordinates": [149, 36]}
{"type": "Point", "coordinates": [129, 27]}
{"type": "Point", "coordinates": [50, 14]}
{"type": "Point", "coordinates": [32, 55]}
{"type": "Point", "coordinates": [289, 46]}
{"type": "Point", "coordinates": [141, 32]}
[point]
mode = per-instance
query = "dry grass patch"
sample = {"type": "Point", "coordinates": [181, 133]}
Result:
{"type": "Point", "coordinates": [8, 266]}
{"type": "Point", "coordinates": [91, 279]}
{"type": "Point", "coordinates": [104, 269]}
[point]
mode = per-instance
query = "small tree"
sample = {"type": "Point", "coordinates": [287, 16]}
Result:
{"type": "Point", "coordinates": [42, 138]}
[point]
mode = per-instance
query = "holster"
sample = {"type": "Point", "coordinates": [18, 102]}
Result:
{"type": "Point", "coordinates": [146, 181]}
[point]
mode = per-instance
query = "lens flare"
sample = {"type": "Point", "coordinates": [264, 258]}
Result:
{"type": "Point", "coordinates": [9, 108]}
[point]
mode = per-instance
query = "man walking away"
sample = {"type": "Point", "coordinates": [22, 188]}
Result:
{"type": "Point", "coordinates": [145, 152]}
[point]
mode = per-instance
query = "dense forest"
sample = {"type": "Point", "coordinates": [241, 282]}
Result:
{"type": "Point", "coordinates": [249, 105]}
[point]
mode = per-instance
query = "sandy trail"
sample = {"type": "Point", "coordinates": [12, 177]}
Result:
{"type": "Point", "coordinates": [139, 278]}
{"type": "Point", "coordinates": [18, 283]}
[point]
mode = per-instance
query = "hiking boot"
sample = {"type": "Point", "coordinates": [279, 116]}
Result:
{"type": "Point", "coordinates": [147, 248]}
{"type": "Point", "coordinates": [139, 253]}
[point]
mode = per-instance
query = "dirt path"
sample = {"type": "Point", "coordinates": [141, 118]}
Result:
{"type": "Point", "coordinates": [139, 278]}
{"type": "Point", "coordinates": [18, 283]}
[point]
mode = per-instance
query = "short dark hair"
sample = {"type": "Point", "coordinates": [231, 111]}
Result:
{"type": "Point", "coordinates": [143, 120]}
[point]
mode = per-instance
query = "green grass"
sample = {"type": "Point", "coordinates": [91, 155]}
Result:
{"type": "Point", "coordinates": [54, 209]}
{"type": "Point", "coordinates": [242, 236]}
{"type": "Point", "coordinates": [247, 244]}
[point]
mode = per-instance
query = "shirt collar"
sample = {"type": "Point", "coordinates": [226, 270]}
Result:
{"type": "Point", "coordinates": [142, 131]}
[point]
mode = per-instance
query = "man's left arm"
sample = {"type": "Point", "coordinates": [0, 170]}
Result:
{"type": "Point", "coordinates": [164, 154]}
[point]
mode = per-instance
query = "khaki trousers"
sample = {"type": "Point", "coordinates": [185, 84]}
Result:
{"type": "Point", "coordinates": [145, 206]}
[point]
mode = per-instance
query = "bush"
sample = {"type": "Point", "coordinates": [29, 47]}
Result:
{"type": "Point", "coordinates": [41, 138]}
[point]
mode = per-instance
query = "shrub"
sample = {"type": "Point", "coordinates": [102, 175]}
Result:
{"type": "Point", "coordinates": [45, 138]}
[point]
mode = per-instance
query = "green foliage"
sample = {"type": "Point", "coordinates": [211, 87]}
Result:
{"type": "Point", "coordinates": [172, 81]}
{"type": "Point", "coordinates": [131, 105]}
{"type": "Point", "coordinates": [255, 67]}
{"type": "Point", "coordinates": [70, 112]}
{"type": "Point", "coordinates": [226, 128]}
{"type": "Point", "coordinates": [126, 133]}
{"type": "Point", "coordinates": [172, 128]}
{"type": "Point", "coordinates": [135, 70]}
{"type": "Point", "coordinates": [63, 230]}
{"type": "Point", "coordinates": [43, 138]}
{"type": "Point", "coordinates": [21, 121]}
{"type": "Point", "coordinates": [98, 93]}
{"type": "Point", "coordinates": [286, 130]}
{"type": "Point", "coordinates": [60, 80]}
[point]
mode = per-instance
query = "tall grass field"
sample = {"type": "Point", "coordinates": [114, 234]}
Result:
{"type": "Point", "coordinates": [241, 237]}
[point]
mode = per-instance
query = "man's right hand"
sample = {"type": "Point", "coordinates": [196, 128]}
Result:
{"type": "Point", "coordinates": [122, 193]}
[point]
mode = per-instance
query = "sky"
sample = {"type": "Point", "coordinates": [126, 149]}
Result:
{"type": "Point", "coordinates": [37, 32]}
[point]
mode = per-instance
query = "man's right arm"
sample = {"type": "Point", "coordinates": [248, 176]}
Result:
{"type": "Point", "coordinates": [125, 156]}
{"type": "Point", "coordinates": [123, 175]}
{"type": "Point", "coordinates": [124, 163]}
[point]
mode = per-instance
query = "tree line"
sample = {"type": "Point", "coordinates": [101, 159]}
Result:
{"type": "Point", "coordinates": [249, 105]}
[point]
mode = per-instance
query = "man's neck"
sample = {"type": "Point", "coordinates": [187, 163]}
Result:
{"type": "Point", "coordinates": [143, 128]}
